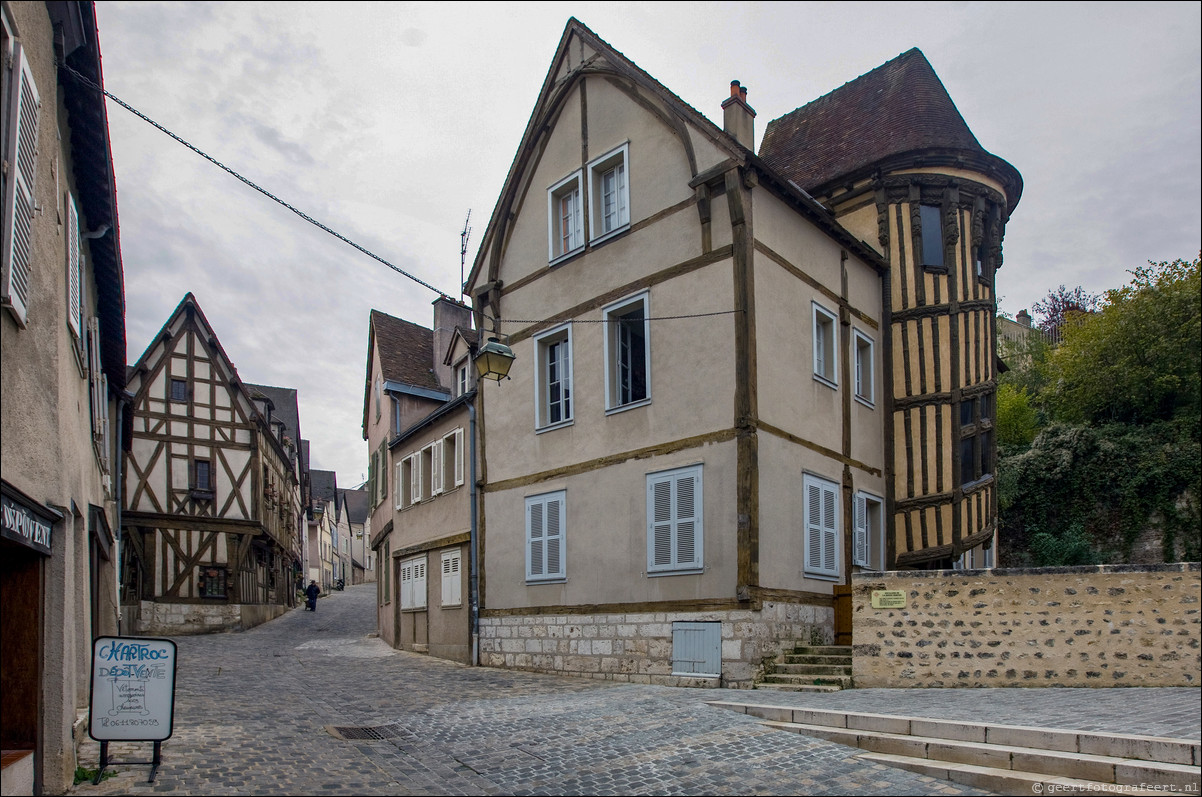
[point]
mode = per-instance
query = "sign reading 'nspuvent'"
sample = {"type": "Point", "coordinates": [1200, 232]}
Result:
{"type": "Point", "coordinates": [133, 689]}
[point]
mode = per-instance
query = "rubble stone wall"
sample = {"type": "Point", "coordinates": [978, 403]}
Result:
{"type": "Point", "coordinates": [1105, 625]}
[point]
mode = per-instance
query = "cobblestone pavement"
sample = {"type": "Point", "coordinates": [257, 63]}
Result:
{"type": "Point", "coordinates": [253, 708]}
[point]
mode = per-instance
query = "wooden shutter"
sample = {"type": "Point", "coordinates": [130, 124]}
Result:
{"type": "Point", "coordinates": [419, 583]}
{"type": "Point", "coordinates": [406, 585]}
{"type": "Point", "coordinates": [860, 531]}
{"type": "Point", "coordinates": [74, 267]}
{"type": "Point", "coordinates": [660, 498]}
{"type": "Point", "coordinates": [22, 117]}
{"type": "Point", "coordinates": [382, 481]}
{"type": "Point", "coordinates": [415, 478]}
{"type": "Point", "coordinates": [821, 532]}
{"type": "Point", "coordinates": [545, 537]}
{"type": "Point", "coordinates": [400, 493]}
{"type": "Point", "coordinates": [451, 578]}
{"type": "Point", "coordinates": [436, 468]}
{"type": "Point", "coordinates": [674, 527]}
{"type": "Point", "coordinates": [459, 455]}
{"type": "Point", "coordinates": [371, 479]}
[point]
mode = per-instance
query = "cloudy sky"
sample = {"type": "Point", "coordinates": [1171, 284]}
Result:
{"type": "Point", "coordinates": [389, 121]}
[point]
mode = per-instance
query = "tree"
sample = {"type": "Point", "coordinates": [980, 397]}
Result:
{"type": "Point", "coordinates": [1062, 306]}
{"type": "Point", "coordinates": [1139, 359]}
{"type": "Point", "coordinates": [1017, 421]}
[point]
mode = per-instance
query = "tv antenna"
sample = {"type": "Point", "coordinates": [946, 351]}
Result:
{"type": "Point", "coordinates": [463, 239]}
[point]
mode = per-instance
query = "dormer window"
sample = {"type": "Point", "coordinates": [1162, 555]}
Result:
{"type": "Point", "coordinates": [609, 194]}
{"type": "Point", "coordinates": [566, 217]}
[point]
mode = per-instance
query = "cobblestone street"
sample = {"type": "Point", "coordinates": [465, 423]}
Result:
{"type": "Point", "coordinates": [254, 709]}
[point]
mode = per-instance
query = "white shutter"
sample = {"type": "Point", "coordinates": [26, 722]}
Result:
{"type": "Point", "coordinates": [436, 486]}
{"type": "Point", "coordinates": [660, 498]}
{"type": "Point", "coordinates": [821, 527]}
{"type": "Point", "coordinates": [459, 455]}
{"type": "Point", "coordinates": [451, 579]}
{"type": "Point", "coordinates": [22, 117]}
{"type": "Point", "coordinates": [545, 524]}
{"type": "Point", "coordinates": [99, 395]}
{"type": "Point", "coordinates": [860, 531]}
{"type": "Point", "coordinates": [688, 515]}
{"type": "Point", "coordinates": [415, 478]}
{"type": "Point", "coordinates": [406, 585]}
{"type": "Point", "coordinates": [535, 539]}
{"type": "Point", "coordinates": [555, 537]}
{"type": "Point", "coordinates": [400, 493]}
{"type": "Point", "coordinates": [74, 267]}
{"type": "Point", "coordinates": [419, 583]}
{"type": "Point", "coordinates": [674, 522]}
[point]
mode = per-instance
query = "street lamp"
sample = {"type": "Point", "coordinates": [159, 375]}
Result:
{"type": "Point", "coordinates": [493, 360]}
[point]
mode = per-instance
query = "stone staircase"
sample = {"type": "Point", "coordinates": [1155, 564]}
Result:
{"type": "Point", "coordinates": [810, 668]}
{"type": "Point", "coordinates": [1005, 759]}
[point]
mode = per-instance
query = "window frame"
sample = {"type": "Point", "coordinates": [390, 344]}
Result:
{"type": "Point", "coordinates": [557, 249]}
{"type": "Point", "coordinates": [822, 318]}
{"type": "Point", "coordinates": [452, 463]}
{"type": "Point", "coordinates": [673, 478]}
{"type": "Point", "coordinates": [861, 342]}
{"type": "Point", "coordinates": [820, 571]}
{"type": "Point", "coordinates": [219, 577]}
{"type": "Point", "coordinates": [546, 576]}
{"type": "Point", "coordinates": [868, 537]}
{"type": "Point", "coordinates": [612, 348]}
{"type": "Point", "coordinates": [171, 383]}
{"type": "Point", "coordinates": [542, 388]}
{"type": "Point", "coordinates": [598, 168]}
{"type": "Point", "coordinates": [931, 216]}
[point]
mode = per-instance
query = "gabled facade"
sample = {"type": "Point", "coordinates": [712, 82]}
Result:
{"type": "Point", "coordinates": [322, 525]}
{"type": "Point", "coordinates": [363, 570]}
{"type": "Point", "coordinates": [425, 511]}
{"type": "Point", "coordinates": [212, 496]}
{"type": "Point", "coordinates": [62, 338]}
{"type": "Point", "coordinates": [695, 448]}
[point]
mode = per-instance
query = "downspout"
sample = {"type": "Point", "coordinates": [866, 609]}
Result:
{"type": "Point", "coordinates": [473, 541]}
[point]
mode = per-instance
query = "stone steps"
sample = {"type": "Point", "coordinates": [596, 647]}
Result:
{"type": "Point", "coordinates": [1002, 758]}
{"type": "Point", "coordinates": [811, 668]}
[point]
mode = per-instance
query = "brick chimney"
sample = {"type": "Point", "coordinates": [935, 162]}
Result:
{"type": "Point", "coordinates": [448, 314]}
{"type": "Point", "coordinates": [738, 117]}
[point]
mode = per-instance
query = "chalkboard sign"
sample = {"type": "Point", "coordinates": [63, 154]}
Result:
{"type": "Point", "coordinates": [133, 689]}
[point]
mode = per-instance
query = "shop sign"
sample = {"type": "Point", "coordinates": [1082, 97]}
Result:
{"type": "Point", "coordinates": [26, 524]}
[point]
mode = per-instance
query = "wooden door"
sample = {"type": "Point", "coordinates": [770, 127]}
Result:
{"type": "Point", "coordinates": [842, 595]}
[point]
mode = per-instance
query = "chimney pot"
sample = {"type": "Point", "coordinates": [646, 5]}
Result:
{"type": "Point", "coordinates": [735, 89]}
{"type": "Point", "coordinates": [738, 117]}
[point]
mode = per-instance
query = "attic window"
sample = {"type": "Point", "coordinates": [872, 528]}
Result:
{"type": "Point", "coordinates": [609, 194]}
{"type": "Point", "coordinates": [566, 217]}
{"type": "Point", "coordinates": [179, 390]}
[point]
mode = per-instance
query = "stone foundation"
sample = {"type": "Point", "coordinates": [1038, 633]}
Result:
{"type": "Point", "coordinates": [183, 619]}
{"type": "Point", "coordinates": [1106, 625]}
{"type": "Point", "coordinates": [637, 647]}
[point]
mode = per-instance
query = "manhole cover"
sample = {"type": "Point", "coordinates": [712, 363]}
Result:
{"type": "Point", "coordinates": [356, 732]}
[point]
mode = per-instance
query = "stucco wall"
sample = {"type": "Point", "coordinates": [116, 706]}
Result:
{"type": "Point", "coordinates": [1105, 625]}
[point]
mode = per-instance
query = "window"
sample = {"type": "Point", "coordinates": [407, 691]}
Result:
{"type": "Point", "coordinates": [675, 542]}
{"type": "Point", "coordinates": [413, 583]}
{"type": "Point", "coordinates": [462, 381]}
{"type": "Point", "coordinates": [825, 345]}
{"type": "Point", "coordinates": [179, 390]}
{"type": "Point", "coordinates": [609, 194]}
{"type": "Point", "coordinates": [379, 396]}
{"type": "Point", "coordinates": [627, 353]}
{"type": "Point", "coordinates": [202, 476]}
{"type": "Point", "coordinates": [415, 478]}
{"type": "Point", "coordinates": [566, 217]}
{"type": "Point", "coordinates": [20, 128]}
{"type": "Point", "coordinates": [868, 550]}
{"type": "Point", "coordinates": [553, 384]}
{"type": "Point", "coordinates": [697, 649]}
{"type": "Point", "coordinates": [452, 579]}
{"type": "Point", "coordinates": [821, 527]}
{"type": "Point", "coordinates": [452, 460]}
{"type": "Point", "coordinates": [212, 582]}
{"type": "Point", "coordinates": [865, 368]}
{"type": "Point", "coordinates": [931, 224]}
{"type": "Point", "coordinates": [545, 537]}
{"type": "Point", "coordinates": [976, 439]}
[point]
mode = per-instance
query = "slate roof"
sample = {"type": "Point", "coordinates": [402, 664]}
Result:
{"type": "Point", "coordinates": [901, 106]}
{"type": "Point", "coordinates": [356, 505]}
{"type": "Point", "coordinates": [406, 351]}
{"type": "Point", "coordinates": [285, 406]}
{"type": "Point", "coordinates": [323, 485]}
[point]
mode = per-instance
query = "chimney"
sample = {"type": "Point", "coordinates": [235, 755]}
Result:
{"type": "Point", "coordinates": [448, 314]}
{"type": "Point", "coordinates": [1023, 317]}
{"type": "Point", "coordinates": [738, 117]}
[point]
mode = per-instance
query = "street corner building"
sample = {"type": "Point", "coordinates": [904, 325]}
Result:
{"type": "Point", "coordinates": [62, 338]}
{"type": "Point", "coordinates": [213, 516]}
{"type": "Point", "coordinates": [739, 379]}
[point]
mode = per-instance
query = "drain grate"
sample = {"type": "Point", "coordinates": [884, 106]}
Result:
{"type": "Point", "coordinates": [358, 732]}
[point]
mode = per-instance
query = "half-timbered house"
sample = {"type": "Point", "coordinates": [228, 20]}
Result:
{"type": "Point", "coordinates": [731, 389]}
{"type": "Point", "coordinates": [212, 499]}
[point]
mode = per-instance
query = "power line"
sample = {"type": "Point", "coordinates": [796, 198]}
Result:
{"type": "Point", "coordinates": [87, 82]}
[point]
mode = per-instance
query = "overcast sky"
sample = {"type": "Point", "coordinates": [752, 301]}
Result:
{"type": "Point", "coordinates": [389, 121]}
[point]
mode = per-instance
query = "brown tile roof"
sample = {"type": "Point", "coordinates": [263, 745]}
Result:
{"type": "Point", "coordinates": [899, 107]}
{"type": "Point", "coordinates": [406, 351]}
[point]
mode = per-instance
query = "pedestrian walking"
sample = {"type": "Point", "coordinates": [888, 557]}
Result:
{"type": "Point", "coordinates": [312, 592]}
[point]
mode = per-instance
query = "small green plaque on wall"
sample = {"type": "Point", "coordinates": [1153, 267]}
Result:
{"type": "Point", "coordinates": [888, 599]}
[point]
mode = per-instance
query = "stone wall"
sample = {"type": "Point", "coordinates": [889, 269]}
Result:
{"type": "Point", "coordinates": [1105, 625]}
{"type": "Point", "coordinates": [177, 619]}
{"type": "Point", "coordinates": [637, 647]}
